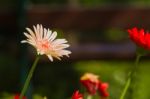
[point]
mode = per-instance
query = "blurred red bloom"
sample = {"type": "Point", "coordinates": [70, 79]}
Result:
{"type": "Point", "coordinates": [140, 37]}
{"type": "Point", "coordinates": [17, 97]}
{"type": "Point", "coordinates": [93, 84]}
{"type": "Point", "coordinates": [77, 95]}
{"type": "Point", "coordinates": [90, 86]}
{"type": "Point", "coordinates": [103, 89]}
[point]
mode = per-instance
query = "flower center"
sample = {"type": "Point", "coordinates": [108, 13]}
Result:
{"type": "Point", "coordinates": [44, 46]}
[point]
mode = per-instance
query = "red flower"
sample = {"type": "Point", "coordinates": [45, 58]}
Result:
{"type": "Point", "coordinates": [17, 97]}
{"type": "Point", "coordinates": [91, 82]}
{"type": "Point", "coordinates": [90, 86]}
{"type": "Point", "coordinates": [141, 38]}
{"type": "Point", "coordinates": [77, 95]}
{"type": "Point", "coordinates": [103, 89]}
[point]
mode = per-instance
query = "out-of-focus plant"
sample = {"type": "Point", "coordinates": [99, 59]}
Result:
{"type": "Point", "coordinates": [93, 85]}
{"type": "Point", "coordinates": [142, 40]}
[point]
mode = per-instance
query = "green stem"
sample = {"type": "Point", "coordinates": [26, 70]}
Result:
{"type": "Point", "coordinates": [137, 61]}
{"type": "Point", "coordinates": [25, 87]}
{"type": "Point", "coordinates": [130, 78]}
{"type": "Point", "coordinates": [125, 88]}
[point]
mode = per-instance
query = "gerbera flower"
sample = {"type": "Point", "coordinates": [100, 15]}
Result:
{"type": "Point", "coordinates": [91, 82]}
{"type": "Point", "coordinates": [77, 95]}
{"type": "Point", "coordinates": [45, 42]}
{"type": "Point", "coordinates": [140, 37]}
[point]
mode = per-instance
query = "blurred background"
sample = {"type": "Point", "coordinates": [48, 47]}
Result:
{"type": "Point", "coordinates": [97, 33]}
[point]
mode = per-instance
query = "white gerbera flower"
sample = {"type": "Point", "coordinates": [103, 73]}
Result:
{"type": "Point", "coordinates": [45, 43]}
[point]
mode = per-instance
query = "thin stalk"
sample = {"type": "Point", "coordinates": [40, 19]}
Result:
{"type": "Point", "coordinates": [137, 61]}
{"type": "Point", "coordinates": [25, 87]}
{"type": "Point", "coordinates": [125, 88]}
{"type": "Point", "coordinates": [130, 78]}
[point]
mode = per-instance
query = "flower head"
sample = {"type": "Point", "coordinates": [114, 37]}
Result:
{"type": "Point", "coordinates": [140, 37]}
{"type": "Point", "coordinates": [45, 42]}
{"type": "Point", "coordinates": [91, 82]}
{"type": "Point", "coordinates": [77, 95]}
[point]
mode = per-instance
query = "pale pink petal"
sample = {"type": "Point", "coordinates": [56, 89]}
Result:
{"type": "Point", "coordinates": [28, 36]}
{"type": "Point", "coordinates": [41, 31]}
{"type": "Point", "coordinates": [59, 41]}
{"type": "Point", "coordinates": [36, 29]}
{"type": "Point", "coordinates": [64, 52]}
{"type": "Point", "coordinates": [45, 33]}
{"type": "Point", "coordinates": [50, 57]}
{"type": "Point", "coordinates": [24, 41]}
{"type": "Point", "coordinates": [49, 33]}
{"type": "Point", "coordinates": [62, 46]}
{"type": "Point", "coordinates": [53, 36]}
{"type": "Point", "coordinates": [31, 32]}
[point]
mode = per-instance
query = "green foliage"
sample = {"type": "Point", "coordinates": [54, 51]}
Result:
{"type": "Point", "coordinates": [116, 73]}
{"type": "Point", "coordinates": [59, 80]}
